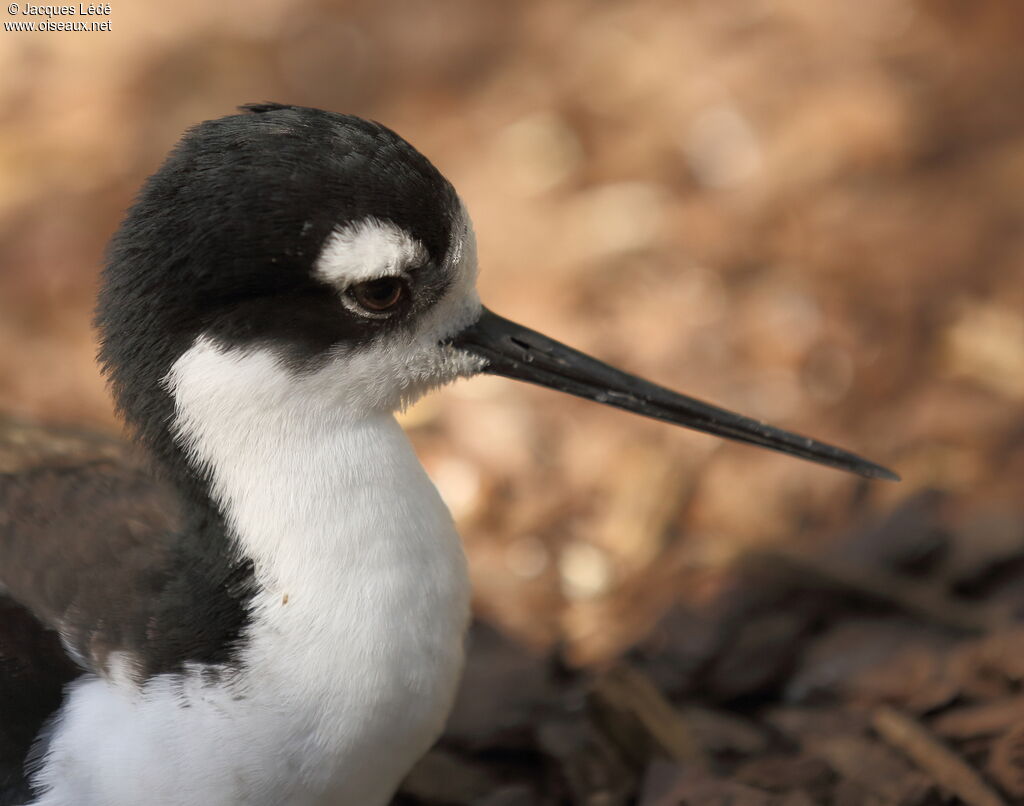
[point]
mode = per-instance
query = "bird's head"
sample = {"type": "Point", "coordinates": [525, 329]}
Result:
{"type": "Point", "coordinates": [296, 262]}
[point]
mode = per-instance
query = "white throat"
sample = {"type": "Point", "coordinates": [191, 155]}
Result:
{"type": "Point", "coordinates": [363, 591]}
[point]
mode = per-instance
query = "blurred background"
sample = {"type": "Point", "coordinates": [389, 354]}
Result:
{"type": "Point", "coordinates": [812, 213]}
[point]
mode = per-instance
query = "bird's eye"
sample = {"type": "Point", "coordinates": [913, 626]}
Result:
{"type": "Point", "coordinates": [380, 295]}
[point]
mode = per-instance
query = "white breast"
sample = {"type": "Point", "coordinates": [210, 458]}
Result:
{"type": "Point", "coordinates": [355, 648]}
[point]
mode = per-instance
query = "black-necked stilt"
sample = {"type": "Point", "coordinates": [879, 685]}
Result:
{"type": "Point", "coordinates": [270, 609]}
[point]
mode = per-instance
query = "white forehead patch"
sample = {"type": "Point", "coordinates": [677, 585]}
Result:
{"type": "Point", "coordinates": [366, 250]}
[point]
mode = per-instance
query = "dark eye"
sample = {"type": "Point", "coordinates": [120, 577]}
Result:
{"type": "Point", "coordinates": [378, 295]}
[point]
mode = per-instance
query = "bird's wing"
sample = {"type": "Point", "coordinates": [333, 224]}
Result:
{"type": "Point", "coordinates": [83, 530]}
{"type": "Point", "coordinates": [85, 533]}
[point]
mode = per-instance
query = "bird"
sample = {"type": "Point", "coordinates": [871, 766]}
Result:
{"type": "Point", "coordinates": [261, 597]}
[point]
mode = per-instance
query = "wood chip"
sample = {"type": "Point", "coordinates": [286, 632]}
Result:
{"type": "Point", "coordinates": [984, 719]}
{"type": "Point", "coordinates": [667, 784]}
{"type": "Point", "coordinates": [875, 768]}
{"type": "Point", "coordinates": [787, 773]}
{"type": "Point", "coordinates": [871, 661]}
{"type": "Point", "coordinates": [593, 770]}
{"type": "Point", "coordinates": [992, 666]}
{"type": "Point", "coordinates": [807, 726]}
{"type": "Point", "coordinates": [915, 678]}
{"type": "Point", "coordinates": [442, 777]}
{"type": "Point", "coordinates": [921, 599]}
{"type": "Point", "coordinates": [1006, 762]}
{"type": "Point", "coordinates": [759, 656]}
{"type": "Point", "coordinates": [634, 713]}
{"type": "Point", "coordinates": [947, 768]}
{"type": "Point", "coordinates": [724, 733]}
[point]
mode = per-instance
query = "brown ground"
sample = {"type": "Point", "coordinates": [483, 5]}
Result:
{"type": "Point", "coordinates": [809, 212]}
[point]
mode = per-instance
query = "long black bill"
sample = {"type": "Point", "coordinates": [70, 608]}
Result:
{"type": "Point", "coordinates": [517, 352]}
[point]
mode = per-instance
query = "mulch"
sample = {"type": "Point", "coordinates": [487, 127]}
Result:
{"type": "Point", "coordinates": [884, 669]}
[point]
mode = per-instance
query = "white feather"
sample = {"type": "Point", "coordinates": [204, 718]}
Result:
{"type": "Point", "coordinates": [365, 250]}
